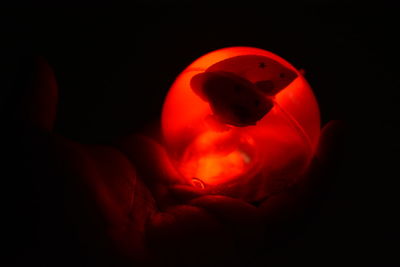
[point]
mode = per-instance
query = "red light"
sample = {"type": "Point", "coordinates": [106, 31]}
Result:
{"type": "Point", "coordinates": [240, 121]}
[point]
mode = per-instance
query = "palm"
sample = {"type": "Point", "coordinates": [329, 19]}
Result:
{"type": "Point", "coordinates": [147, 213]}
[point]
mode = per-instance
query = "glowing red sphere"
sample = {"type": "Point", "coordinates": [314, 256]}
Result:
{"type": "Point", "coordinates": [241, 121]}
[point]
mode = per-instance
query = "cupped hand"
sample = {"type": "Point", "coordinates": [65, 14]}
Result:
{"type": "Point", "coordinates": [128, 196]}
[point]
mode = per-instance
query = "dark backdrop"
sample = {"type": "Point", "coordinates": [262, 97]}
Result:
{"type": "Point", "coordinates": [114, 67]}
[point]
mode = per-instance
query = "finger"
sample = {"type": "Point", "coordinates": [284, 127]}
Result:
{"type": "Point", "coordinates": [282, 215]}
{"type": "Point", "coordinates": [282, 211]}
{"type": "Point", "coordinates": [153, 166]}
{"type": "Point", "coordinates": [329, 155]}
{"type": "Point", "coordinates": [185, 193]}
{"type": "Point", "coordinates": [117, 174]}
{"type": "Point", "coordinates": [228, 209]}
{"type": "Point", "coordinates": [39, 103]}
{"type": "Point", "coordinates": [188, 236]}
{"type": "Point", "coordinates": [332, 143]}
{"type": "Point", "coordinates": [151, 160]}
{"type": "Point", "coordinates": [122, 203]}
{"type": "Point", "coordinates": [77, 166]}
{"type": "Point", "coordinates": [80, 200]}
{"type": "Point", "coordinates": [238, 216]}
{"type": "Point", "coordinates": [330, 151]}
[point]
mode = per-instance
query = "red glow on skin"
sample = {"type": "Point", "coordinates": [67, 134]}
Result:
{"type": "Point", "coordinates": [279, 146]}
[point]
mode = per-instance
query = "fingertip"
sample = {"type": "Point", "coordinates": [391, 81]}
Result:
{"type": "Point", "coordinates": [228, 209]}
{"type": "Point", "coordinates": [192, 231]}
{"type": "Point", "coordinates": [332, 142]}
{"type": "Point", "coordinates": [150, 159]}
{"type": "Point", "coordinates": [41, 96]}
{"type": "Point", "coordinates": [186, 193]}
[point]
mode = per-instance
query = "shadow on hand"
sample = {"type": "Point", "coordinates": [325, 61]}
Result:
{"type": "Point", "coordinates": [126, 204]}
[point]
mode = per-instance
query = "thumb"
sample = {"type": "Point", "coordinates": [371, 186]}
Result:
{"type": "Point", "coordinates": [38, 105]}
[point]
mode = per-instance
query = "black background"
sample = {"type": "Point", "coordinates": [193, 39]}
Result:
{"type": "Point", "coordinates": [114, 67]}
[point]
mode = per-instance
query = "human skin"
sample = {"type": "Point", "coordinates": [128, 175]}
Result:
{"type": "Point", "coordinates": [129, 197]}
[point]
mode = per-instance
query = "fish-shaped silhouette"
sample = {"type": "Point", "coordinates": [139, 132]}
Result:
{"type": "Point", "coordinates": [233, 100]}
{"type": "Point", "coordinates": [239, 90]}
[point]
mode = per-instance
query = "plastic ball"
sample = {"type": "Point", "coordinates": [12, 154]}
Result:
{"type": "Point", "coordinates": [242, 122]}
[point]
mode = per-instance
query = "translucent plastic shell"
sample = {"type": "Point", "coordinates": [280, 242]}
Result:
{"type": "Point", "coordinates": [247, 161]}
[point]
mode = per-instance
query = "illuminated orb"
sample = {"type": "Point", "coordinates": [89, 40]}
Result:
{"type": "Point", "coordinates": [241, 121]}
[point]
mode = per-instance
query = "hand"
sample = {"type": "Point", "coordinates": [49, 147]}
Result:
{"type": "Point", "coordinates": [128, 202]}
